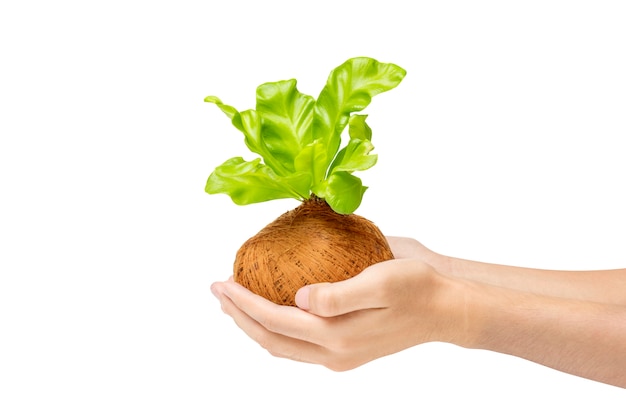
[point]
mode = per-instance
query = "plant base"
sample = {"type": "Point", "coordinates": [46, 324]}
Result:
{"type": "Point", "coordinates": [309, 244]}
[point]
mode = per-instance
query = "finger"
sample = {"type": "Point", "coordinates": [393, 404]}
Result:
{"type": "Point", "coordinates": [217, 287]}
{"type": "Point", "coordinates": [277, 345]}
{"type": "Point", "coordinates": [341, 343]}
{"type": "Point", "coordinates": [403, 247]}
{"type": "Point", "coordinates": [364, 291]}
{"type": "Point", "coordinates": [285, 320]}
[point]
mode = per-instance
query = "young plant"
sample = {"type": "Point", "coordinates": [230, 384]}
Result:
{"type": "Point", "coordinates": [298, 140]}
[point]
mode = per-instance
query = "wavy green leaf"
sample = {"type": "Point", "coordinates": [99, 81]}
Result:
{"type": "Point", "coordinates": [252, 182]}
{"type": "Point", "coordinates": [249, 123]}
{"type": "Point", "coordinates": [350, 88]}
{"type": "Point", "coordinates": [312, 160]}
{"type": "Point", "coordinates": [342, 191]}
{"type": "Point", "coordinates": [286, 116]}
{"type": "Point", "coordinates": [358, 128]}
{"type": "Point", "coordinates": [356, 155]}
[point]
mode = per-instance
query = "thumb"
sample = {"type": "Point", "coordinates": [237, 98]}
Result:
{"type": "Point", "coordinates": [332, 299]}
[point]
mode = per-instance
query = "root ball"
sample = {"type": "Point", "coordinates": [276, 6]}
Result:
{"type": "Point", "coordinates": [309, 244]}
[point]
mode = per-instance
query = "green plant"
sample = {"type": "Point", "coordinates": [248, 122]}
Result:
{"type": "Point", "coordinates": [298, 140]}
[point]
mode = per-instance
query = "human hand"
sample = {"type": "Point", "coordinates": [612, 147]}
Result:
{"type": "Point", "coordinates": [387, 308]}
{"type": "Point", "coordinates": [399, 303]}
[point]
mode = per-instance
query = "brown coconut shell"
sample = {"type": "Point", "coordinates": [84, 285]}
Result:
{"type": "Point", "coordinates": [309, 244]}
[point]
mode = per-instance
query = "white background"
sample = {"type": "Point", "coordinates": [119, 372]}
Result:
{"type": "Point", "coordinates": [504, 143]}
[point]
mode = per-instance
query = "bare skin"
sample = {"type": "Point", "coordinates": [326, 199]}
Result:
{"type": "Point", "coordinates": [574, 322]}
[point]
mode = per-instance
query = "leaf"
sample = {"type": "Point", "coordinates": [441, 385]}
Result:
{"type": "Point", "coordinates": [286, 119]}
{"type": "Point", "coordinates": [249, 123]}
{"type": "Point", "coordinates": [342, 191]}
{"type": "Point", "coordinates": [358, 128]}
{"type": "Point", "coordinates": [350, 88]}
{"type": "Point", "coordinates": [252, 182]}
{"type": "Point", "coordinates": [312, 159]}
{"type": "Point", "coordinates": [228, 110]}
{"type": "Point", "coordinates": [355, 156]}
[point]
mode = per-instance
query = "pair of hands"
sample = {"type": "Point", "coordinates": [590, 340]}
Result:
{"type": "Point", "coordinates": [388, 307]}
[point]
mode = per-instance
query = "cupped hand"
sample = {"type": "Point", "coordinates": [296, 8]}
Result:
{"type": "Point", "coordinates": [388, 307]}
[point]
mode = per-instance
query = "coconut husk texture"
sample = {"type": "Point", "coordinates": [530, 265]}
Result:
{"type": "Point", "coordinates": [309, 244]}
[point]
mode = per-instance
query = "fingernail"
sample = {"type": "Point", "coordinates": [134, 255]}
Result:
{"type": "Point", "coordinates": [302, 297]}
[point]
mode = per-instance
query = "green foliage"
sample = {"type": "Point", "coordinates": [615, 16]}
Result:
{"type": "Point", "coordinates": [298, 139]}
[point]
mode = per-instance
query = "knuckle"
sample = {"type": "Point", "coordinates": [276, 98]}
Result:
{"type": "Point", "coordinates": [268, 323]}
{"type": "Point", "coordinates": [387, 288]}
{"type": "Point", "coordinates": [323, 302]}
{"type": "Point", "coordinates": [272, 348]}
{"type": "Point", "coordinates": [277, 348]}
{"type": "Point", "coordinates": [265, 342]}
{"type": "Point", "coordinates": [283, 352]}
{"type": "Point", "coordinates": [277, 354]}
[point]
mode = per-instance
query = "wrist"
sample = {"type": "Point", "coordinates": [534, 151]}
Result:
{"type": "Point", "coordinates": [442, 263]}
{"type": "Point", "coordinates": [462, 304]}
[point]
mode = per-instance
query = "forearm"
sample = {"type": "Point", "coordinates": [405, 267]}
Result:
{"type": "Point", "coordinates": [603, 286]}
{"type": "Point", "coordinates": [587, 339]}
{"type": "Point", "coordinates": [572, 321]}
